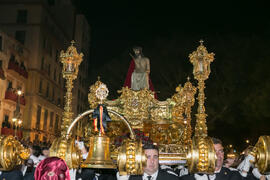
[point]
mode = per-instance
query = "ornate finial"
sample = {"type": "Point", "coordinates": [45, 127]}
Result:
{"type": "Point", "coordinates": [188, 78]}
{"type": "Point", "coordinates": [98, 78]}
{"type": "Point", "coordinates": [201, 42]}
{"type": "Point", "coordinates": [72, 42]}
{"type": "Point", "coordinates": [102, 92]}
{"type": "Point", "coordinates": [98, 92]}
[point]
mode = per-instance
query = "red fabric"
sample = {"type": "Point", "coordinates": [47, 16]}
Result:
{"type": "Point", "coordinates": [18, 69]}
{"type": "Point", "coordinates": [11, 95]}
{"type": "Point", "coordinates": [52, 168]}
{"type": "Point", "coordinates": [14, 97]}
{"type": "Point", "coordinates": [10, 131]}
{"type": "Point", "coordinates": [129, 74]}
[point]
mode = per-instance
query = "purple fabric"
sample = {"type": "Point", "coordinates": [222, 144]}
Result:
{"type": "Point", "coordinates": [52, 168]}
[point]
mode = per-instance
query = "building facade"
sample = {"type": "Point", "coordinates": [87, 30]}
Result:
{"type": "Point", "coordinates": [45, 28]}
{"type": "Point", "coordinates": [14, 59]}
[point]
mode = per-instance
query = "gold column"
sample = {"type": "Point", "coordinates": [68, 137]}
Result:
{"type": "Point", "coordinates": [201, 60]}
{"type": "Point", "coordinates": [201, 154]}
{"type": "Point", "coordinates": [71, 61]}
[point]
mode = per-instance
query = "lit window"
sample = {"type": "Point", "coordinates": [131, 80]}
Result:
{"type": "Point", "coordinates": [45, 120]}
{"type": "Point", "coordinates": [38, 117]}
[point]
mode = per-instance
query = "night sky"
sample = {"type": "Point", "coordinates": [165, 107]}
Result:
{"type": "Point", "coordinates": [238, 33]}
{"type": "Point", "coordinates": [124, 23]}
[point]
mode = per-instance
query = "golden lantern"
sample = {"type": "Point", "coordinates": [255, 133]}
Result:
{"type": "Point", "coordinates": [71, 61]}
{"type": "Point", "coordinates": [201, 60]}
{"type": "Point", "coordinates": [64, 147]}
{"type": "Point", "coordinates": [201, 156]}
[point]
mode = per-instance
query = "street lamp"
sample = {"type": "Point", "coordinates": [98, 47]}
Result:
{"type": "Point", "coordinates": [19, 92]}
{"type": "Point", "coordinates": [16, 113]}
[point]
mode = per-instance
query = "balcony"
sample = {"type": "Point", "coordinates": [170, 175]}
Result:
{"type": "Point", "coordinates": [19, 69]}
{"type": "Point", "coordinates": [9, 131]}
{"type": "Point", "coordinates": [12, 95]}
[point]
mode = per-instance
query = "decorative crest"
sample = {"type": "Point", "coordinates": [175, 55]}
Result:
{"type": "Point", "coordinates": [102, 92]}
{"type": "Point", "coordinates": [98, 92]}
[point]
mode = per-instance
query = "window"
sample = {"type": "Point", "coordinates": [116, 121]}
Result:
{"type": "Point", "coordinates": [50, 49]}
{"type": "Point", "coordinates": [59, 78]}
{"type": "Point", "coordinates": [53, 94]}
{"type": "Point", "coordinates": [38, 116]}
{"type": "Point", "coordinates": [44, 42]}
{"type": "Point", "coordinates": [51, 119]}
{"type": "Point", "coordinates": [12, 58]}
{"type": "Point", "coordinates": [20, 36]}
{"type": "Point", "coordinates": [45, 119]}
{"type": "Point", "coordinates": [58, 102]}
{"type": "Point", "coordinates": [56, 55]}
{"type": "Point", "coordinates": [5, 123]}
{"type": "Point", "coordinates": [10, 87]}
{"type": "Point", "coordinates": [40, 86]}
{"type": "Point", "coordinates": [36, 137]}
{"type": "Point", "coordinates": [1, 43]}
{"type": "Point", "coordinates": [56, 122]}
{"type": "Point", "coordinates": [22, 16]}
{"type": "Point", "coordinates": [47, 90]}
{"type": "Point", "coordinates": [49, 70]}
{"type": "Point", "coordinates": [54, 75]}
{"type": "Point", "coordinates": [42, 63]}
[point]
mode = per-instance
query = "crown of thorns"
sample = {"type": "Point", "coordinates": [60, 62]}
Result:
{"type": "Point", "coordinates": [137, 48]}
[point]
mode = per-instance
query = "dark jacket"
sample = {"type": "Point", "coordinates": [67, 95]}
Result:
{"type": "Point", "coordinates": [14, 175]}
{"type": "Point", "coordinates": [224, 174]}
{"type": "Point", "coordinates": [162, 175]}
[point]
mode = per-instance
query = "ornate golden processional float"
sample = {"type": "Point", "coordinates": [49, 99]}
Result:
{"type": "Point", "coordinates": [167, 123]}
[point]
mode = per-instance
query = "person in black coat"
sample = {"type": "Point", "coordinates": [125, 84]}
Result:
{"type": "Point", "coordinates": [221, 173]}
{"type": "Point", "coordinates": [152, 170]}
{"type": "Point", "coordinates": [161, 175]}
{"type": "Point", "coordinates": [14, 174]}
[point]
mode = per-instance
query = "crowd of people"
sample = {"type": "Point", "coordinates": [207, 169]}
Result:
{"type": "Point", "coordinates": [41, 166]}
